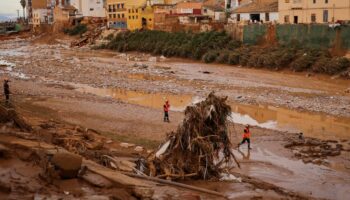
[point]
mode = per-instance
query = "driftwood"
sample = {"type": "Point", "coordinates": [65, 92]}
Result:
{"type": "Point", "coordinates": [199, 146]}
{"type": "Point", "coordinates": [190, 187]}
{"type": "Point", "coordinates": [10, 114]}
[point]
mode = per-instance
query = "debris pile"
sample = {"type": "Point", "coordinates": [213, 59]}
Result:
{"type": "Point", "coordinates": [312, 150]}
{"type": "Point", "coordinates": [195, 148]}
{"type": "Point", "coordinates": [89, 37]}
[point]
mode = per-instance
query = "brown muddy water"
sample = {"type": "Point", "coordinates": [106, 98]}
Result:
{"type": "Point", "coordinates": [311, 124]}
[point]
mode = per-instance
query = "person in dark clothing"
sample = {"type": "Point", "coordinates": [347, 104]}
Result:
{"type": "Point", "coordinates": [166, 107]}
{"type": "Point", "coordinates": [7, 90]}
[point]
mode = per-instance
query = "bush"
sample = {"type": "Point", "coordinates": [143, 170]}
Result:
{"type": "Point", "coordinates": [303, 62]}
{"type": "Point", "coordinates": [76, 30]}
{"type": "Point", "coordinates": [331, 65]}
{"type": "Point", "coordinates": [210, 56]}
{"type": "Point", "coordinates": [223, 57]}
{"type": "Point", "coordinates": [233, 58]}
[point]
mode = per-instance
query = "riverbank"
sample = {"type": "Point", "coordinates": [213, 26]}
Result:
{"type": "Point", "coordinates": [121, 96]}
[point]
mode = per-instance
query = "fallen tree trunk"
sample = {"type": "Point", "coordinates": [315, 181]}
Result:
{"type": "Point", "coordinates": [176, 184]}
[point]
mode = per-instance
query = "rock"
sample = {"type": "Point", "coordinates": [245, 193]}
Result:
{"type": "Point", "coordinates": [138, 149]}
{"type": "Point", "coordinates": [189, 196]}
{"type": "Point", "coordinates": [97, 180]}
{"type": "Point", "coordinates": [143, 192]}
{"type": "Point", "coordinates": [68, 164]}
{"type": "Point", "coordinates": [152, 59]}
{"type": "Point", "coordinates": [126, 145]}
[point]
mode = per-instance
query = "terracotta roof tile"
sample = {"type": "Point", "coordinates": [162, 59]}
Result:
{"type": "Point", "coordinates": [258, 6]}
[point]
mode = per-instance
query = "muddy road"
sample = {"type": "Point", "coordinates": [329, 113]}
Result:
{"type": "Point", "coordinates": [122, 95]}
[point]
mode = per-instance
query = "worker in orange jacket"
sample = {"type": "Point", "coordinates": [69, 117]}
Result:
{"type": "Point", "coordinates": [246, 137]}
{"type": "Point", "coordinates": [166, 107]}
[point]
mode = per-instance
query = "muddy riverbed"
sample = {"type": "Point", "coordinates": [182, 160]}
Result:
{"type": "Point", "coordinates": [121, 95]}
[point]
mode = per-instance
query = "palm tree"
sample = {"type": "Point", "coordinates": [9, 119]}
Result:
{"type": "Point", "coordinates": [23, 4]}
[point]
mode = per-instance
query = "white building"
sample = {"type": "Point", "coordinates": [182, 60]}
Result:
{"type": "Point", "coordinates": [89, 8]}
{"type": "Point", "coordinates": [256, 11]}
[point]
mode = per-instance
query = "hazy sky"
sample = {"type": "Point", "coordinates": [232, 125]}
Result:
{"type": "Point", "coordinates": [10, 7]}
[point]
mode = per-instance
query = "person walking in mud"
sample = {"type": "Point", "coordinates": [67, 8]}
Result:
{"type": "Point", "coordinates": [166, 107]}
{"type": "Point", "coordinates": [6, 90]}
{"type": "Point", "coordinates": [246, 137]}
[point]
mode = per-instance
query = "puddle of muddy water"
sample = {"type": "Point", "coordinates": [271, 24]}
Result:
{"type": "Point", "coordinates": [311, 124]}
{"type": "Point", "coordinates": [320, 181]}
{"type": "Point", "coordinates": [153, 100]}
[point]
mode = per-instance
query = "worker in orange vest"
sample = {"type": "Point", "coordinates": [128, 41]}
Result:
{"type": "Point", "coordinates": [166, 107]}
{"type": "Point", "coordinates": [246, 137]}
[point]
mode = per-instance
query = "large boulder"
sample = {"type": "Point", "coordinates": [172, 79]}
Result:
{"type": "Point", "coordinates": [68, 164]}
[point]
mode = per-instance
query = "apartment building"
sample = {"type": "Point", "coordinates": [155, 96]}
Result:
{"type": "Point", "coordinates": [313, 11]}
{"type": "Point", "coordinates": [116, 13]}
{"type": "Point", "coordinates": [90, 8]}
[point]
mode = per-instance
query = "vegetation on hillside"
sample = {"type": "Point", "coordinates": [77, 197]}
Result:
{"type": "Point", "coordinates": [76, 30]}
{"type": "Point", "coordinates": [221, 48]}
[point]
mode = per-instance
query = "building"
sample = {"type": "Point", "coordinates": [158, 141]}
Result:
{"type": "Point", "coordinates": [256, 11]}
{"type": "Point", "coordinates": [313, 11]}
{"type": "Point", "coordinates": [41, 12]}
{"type": "Point", "coordinates": [91, 8]}
{"type": "Point", "coordinates": [64, 15]}
{"type": "Point", "coordinates": [215, 10]}
{"type": "Point", "coordinates": [189, 8]}
{"type": "Point", "coordinates": [116, 13]}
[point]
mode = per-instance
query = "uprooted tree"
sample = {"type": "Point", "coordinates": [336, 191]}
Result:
{"type": "Point", "coordinates": [194, 149]}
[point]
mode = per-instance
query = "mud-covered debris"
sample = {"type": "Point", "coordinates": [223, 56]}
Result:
{"type": "Point", "coordinates": [68, 164]}
{"type": "Point", "coordinates": [4, 151]}
{"type": "Point", "coordinates": [96, 180]}
{"type": "Point", "coordinates": [194, 148]}
{"type": "Point", "coordinates": [143, 192]}
{"type": "Point", "coordinates": [312, 150]}
{"type": "Point", "coordinates": [126, 145]}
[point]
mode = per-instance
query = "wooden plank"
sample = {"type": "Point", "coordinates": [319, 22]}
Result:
{"type": "Point", "coordinates": [114, 176]}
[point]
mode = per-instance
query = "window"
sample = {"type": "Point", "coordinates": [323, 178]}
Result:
{"type": "Point", "coordinates": [205, 10]}
{"type": "Point", "coordinates": [129, 11]}
{"type": "Point", "coordinates": [137, 10]}
{"type": "Point", "coordinates": [313, 18]}
{"type": "Point", "coordinates": [314, 1]}
{"type": "Point", "coordinates": [149, 19]}
{"type": "Point", "coordinates": [133, 17]}
{"type": "Point", "coordinates": [286, 19]}
{"type": "Point", "coordinates": [114, 16]}
{"type": "Point", "coordinates": [118, 16]}
{"type": "Point", "coordinates": [91, 9]}
{"type": "Point", "coordinates": [110, 15]}
{"type": "Point", "coordinates": [325, 16]}
{"type": "Point", "coordinates": [325, 1]}
{"type": "Point", "coordinates": [122, 5]}
{"type": "Point", "coordinates": [129, 17]}
{"type": "Point", "coordinates": [238, 17]}
{"type": "Point", "coordinates": [267, 17]}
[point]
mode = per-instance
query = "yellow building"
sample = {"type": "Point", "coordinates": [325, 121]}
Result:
{"type": "Point", "coordinates": [117, 13]}
{"type": "Point", "coordinates": [313, 11]}
{"type": "Point", "coordinates": [140, 15]}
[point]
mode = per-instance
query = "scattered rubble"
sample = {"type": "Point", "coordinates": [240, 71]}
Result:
{"type": "Point", "coordinates": [312, 150]}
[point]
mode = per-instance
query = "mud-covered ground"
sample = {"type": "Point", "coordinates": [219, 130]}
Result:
{"type": "Point", "coordinates": [121, 95]}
